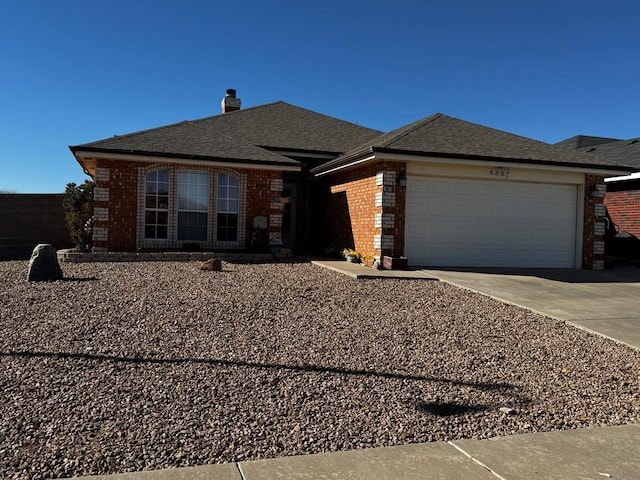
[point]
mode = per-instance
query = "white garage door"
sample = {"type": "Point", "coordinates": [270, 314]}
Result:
{"type": "Point", "coordinates": [456, 222]}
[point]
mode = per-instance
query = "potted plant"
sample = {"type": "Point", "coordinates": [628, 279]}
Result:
{"type": "Point", "coordinates": [351, 255]}
{"type": "Point", "coordinates": [367, 260]}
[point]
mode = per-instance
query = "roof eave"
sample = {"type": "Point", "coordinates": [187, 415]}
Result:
{"type": "Point", "coordinates": [342, 162]}
{"type": "Point", "coordinates": [121, 154]}
{"type": "Point", "coordinates": [373, 152]}
{"type": "Point", "coordinates": [532, 161]}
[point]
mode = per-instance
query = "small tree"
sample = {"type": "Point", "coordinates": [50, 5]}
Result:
{"type": "Point", "coordinates": [78, 208]}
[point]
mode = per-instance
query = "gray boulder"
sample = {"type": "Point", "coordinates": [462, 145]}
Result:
{"type": "Point", "coordinates": [44, 265]}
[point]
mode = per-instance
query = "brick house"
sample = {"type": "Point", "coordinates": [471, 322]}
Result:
{"type": "Point", "coordinates": [623, 192]}
{"type": "Point", "coordinates": [440, 191]}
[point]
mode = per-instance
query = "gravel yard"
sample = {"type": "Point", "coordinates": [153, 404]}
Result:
{"type": "Point", "coordinates": [138, 366]}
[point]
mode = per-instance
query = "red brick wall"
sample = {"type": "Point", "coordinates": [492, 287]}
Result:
{"type": "Point", "coordinates": [352, 200]}
{"type": "Point", "coordinates": [259, 195]}
{"type": "Point", "coordinates": [123, 194]}
{"type": "Point", "coordinates": [624, 208]}
{"type": "Point", "coordinates": [350, 213]}
{"type": "Point", "coordinates": [122, 204]}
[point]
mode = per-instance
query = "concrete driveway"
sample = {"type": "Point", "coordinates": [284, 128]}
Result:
{"type": "Point", "coordinates": [606, 302]}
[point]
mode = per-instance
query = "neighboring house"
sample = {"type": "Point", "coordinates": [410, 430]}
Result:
{"type": "Point", "coordinates": [440, 191]}
{"type": "Point", "coordinates": [623, 192]}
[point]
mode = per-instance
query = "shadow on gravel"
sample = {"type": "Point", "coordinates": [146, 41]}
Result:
{"type": "Point", "coordinates": [447, 409]}
{"type": "Point", "coordinates": [80, 279]}
{"type": "Point", "coordinates": [497, 386]}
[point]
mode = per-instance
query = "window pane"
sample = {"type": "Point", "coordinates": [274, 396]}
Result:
{"type": "Point", "coordinates": [193, 191]}
{"type": "Point", "coordinates": [227, 227]}
{"type": "Point", "coordinates": [151, 201]}
{"type": "Point", "coordinates": [163, 218]}
{"type": "Point", "coordinates": [163, 176]}
{"type": "Point", "coordinates": [233, 206]}
{"type": "Point", "coordinates": [192, 226]}
{"type": "Point", "coordinates": [150, 231]}
{"type": "Point", "coordinates": [163, 202]}
{"type": "Point", "coordinates": [150, 217]}
{"type": "Point", "coordinates": [161, 232]}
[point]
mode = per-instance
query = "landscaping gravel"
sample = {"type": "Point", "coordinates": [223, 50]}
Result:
{"type": "Point", "coordinates": [138, 366]}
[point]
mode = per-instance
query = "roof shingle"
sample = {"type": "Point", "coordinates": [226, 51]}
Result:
{"type": "Point", "coordinates": [626, 152]}
{"type": "Point", "coordinates": [442, 136]}
{"type": "Point", "coordinates": [247, 135]}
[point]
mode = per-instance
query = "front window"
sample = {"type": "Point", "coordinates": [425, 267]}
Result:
{"type": "Point", "coordinates": [156, 213]}
{"type": "Point", "coordinates": [228, 208]}
{"type": "Point", "coordinates": [193, 206]}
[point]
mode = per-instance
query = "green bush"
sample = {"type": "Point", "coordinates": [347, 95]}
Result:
{"type": "Point", "coordinates": [78, 208]}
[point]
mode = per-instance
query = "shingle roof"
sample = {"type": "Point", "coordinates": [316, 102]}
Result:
{"type": "Point", "coordinates": [442, 136]}
{"type": "Point", "coordinates": [580, 141]}
{"type": "Point", "coordinates": [246, 135]}
{"type": "Point", "coordinates": [626, 152]}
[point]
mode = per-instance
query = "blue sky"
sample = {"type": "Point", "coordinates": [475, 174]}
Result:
{"type": "Point", "coordinates": [72, 72]}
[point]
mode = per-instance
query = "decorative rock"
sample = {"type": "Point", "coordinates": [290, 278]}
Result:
{"type": "Point", "coordinates": [44, 265]}
{"type": "Point", "coordinates": [212, 265]}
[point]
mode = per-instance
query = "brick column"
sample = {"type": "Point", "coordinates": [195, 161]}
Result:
{"type": "Point", "coordinates": [593, 241]}
{"type": "Point", "coordinates": [385, 202]}
{"type": "Point", "coordinates": [389, 205]}
{"type": "Point", "coordinates": [275, 215]}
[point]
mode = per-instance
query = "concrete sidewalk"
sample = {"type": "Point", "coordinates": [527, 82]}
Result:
{"type": "Point", "coordinates": [595, 453]}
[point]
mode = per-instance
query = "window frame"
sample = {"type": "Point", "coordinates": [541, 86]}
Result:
{"type": "Point", "coordinates": [172, 242]}
{"type": "Point", "coordinates": [223, 209]}
{"type": "Point", "coordinates": [156, 210]}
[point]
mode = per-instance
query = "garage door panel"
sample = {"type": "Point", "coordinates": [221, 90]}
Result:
{"type": "Point", "coordinates": [459, 222]}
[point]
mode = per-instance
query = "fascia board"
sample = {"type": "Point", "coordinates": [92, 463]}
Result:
{"type": "Point", "coordinates": [179, 161]}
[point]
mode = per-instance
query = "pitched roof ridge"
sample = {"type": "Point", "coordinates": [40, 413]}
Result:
{"type": "Point", "coordinates": [412, 127]}
{"type": "Point", "coordinates": [328, 116]}
{"type": "Point", "coordinates": [522, 137]}
{"type": "Point", "coordinates": [194, 122]}
{"type": "Point", "coordinates": [238, 112]}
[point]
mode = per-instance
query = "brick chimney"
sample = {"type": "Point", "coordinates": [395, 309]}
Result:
{"type": "Point", "coordinates": [230, 102]}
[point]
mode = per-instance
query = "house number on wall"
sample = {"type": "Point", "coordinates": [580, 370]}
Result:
{"type": "Point", "coordinates": [499, 172]}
